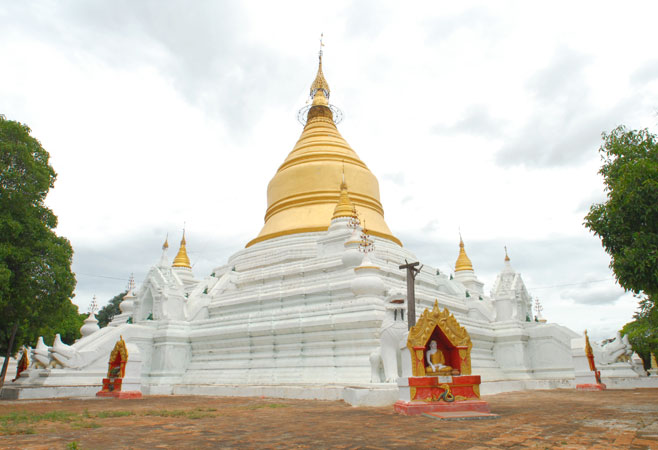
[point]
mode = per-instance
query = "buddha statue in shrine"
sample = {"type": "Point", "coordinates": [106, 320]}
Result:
{"type": "Point", "coordinates": [436, 361]}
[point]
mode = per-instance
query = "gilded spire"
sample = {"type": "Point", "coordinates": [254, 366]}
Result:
{"type": "Point", "coordinates": [320, 83]}
{"type": "Point", "coordinates": [506, 256]}
{"type": "Point", "coordinates": [165, 246]}
{"type": "Point", "coordinates": [301, 198]}
{"type": "Point", "coordinates": [181, 259]}
{"type": "Point", "coordinates": [344, 208]}
{"type": "Point", "coordinates": [463, 262]}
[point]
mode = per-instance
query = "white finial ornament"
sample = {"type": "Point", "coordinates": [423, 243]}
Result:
{"type": "Point", "coordinates": [128, 303]}
{"type": "Point", "coordinates": [90, 325]}
{"type": "Point", "coordinates": [539, 308]}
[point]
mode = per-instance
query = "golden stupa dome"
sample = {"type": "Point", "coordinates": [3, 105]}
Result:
{"type": "Point", "coordinates": [302, 195]}
{"type": "Point", "coordinates": [463, 262]}
{"type": "Point", "coordinates": [181, 259]}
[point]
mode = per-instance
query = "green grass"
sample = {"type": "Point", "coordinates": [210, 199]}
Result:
{"type": "Point", "coordinates": [105, 414]}
{"type": "Point", "coordinates": [18, 422]}
{"type": "Point", "coordinates": [8, 430]}
{"type": "Point", "coordinates": [267, 405]}
{"type": "Point", "coordinates": [28, 417]}
{"type": "Point", "coordinates": [21, 422]}
{"type": "Point", "coordinates": [196, 413]}
{"type": "Point", "coordinates": [85, 424]}
{"type": "Point", "coordinates": [73, 446]}
{"type": "Point", "coordinates": [15, 422]}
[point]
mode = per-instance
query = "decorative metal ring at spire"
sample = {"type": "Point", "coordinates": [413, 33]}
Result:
{"type": "Point", "coordinates": [302, 114]}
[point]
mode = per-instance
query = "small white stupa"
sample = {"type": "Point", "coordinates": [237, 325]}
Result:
{"type": "Point", "coordinates": [90, 325]}
{"type": "Point", "coordinates": [128, 303]}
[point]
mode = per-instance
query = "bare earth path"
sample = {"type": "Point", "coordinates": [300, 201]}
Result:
{"type": "Point", "coordinates": [560, 419]}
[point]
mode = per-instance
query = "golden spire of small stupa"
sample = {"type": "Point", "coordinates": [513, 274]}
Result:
{"type": "Point", "coordinates": [165, 246]}
{"type": "Point", "coordinates": [320, 83]}
{"type": "Point", "coordinates": [463, 262]}
{"type": "Point", "coordinates": [506, 256]}
{"type": "Point", "coordinates": [344, 208]}
{"type": "Point", "coordinates": [181, 259]}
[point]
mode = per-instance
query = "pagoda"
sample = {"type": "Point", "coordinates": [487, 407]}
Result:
{"type": "Point", "coordinates": [314, 306]}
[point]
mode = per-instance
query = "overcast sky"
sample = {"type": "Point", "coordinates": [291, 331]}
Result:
{"type": "Point", "coordinates": [473, 116]}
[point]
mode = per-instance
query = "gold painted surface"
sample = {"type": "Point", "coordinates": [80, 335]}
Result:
{"type": "Point", "coordinates": [420, 334]}
{"type": "Point", "coordinates": [303, 193]}
{"type": "Point", "coordinates": [412, 393]}
{"type": "Point", "coordinates": [119, 349]}
{"type": "Point", "coordinates": [181, 259]}
{"type": "Point", "coordinates": [476, 390]}
{"type": "Point", "coordinates": [418, 369]}
{"type": "Point", "coordinates": [463, 261]}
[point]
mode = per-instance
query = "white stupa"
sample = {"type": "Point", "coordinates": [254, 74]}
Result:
{"type": "Point", "coordinates": [308, 309]}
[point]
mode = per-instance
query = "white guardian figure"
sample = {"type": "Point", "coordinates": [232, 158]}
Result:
{"type": "Point", "coordinates": [392, 332]}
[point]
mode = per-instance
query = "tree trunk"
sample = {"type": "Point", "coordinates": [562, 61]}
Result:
{"type": "Point", "coordinates": [8, 355]}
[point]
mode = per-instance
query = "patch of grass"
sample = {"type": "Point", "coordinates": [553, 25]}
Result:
{"type": "Point", "coordinates": [8, 430]}
{"type": "Point", "coordinates": [105, 414]}
{"type": "Point", "coordinates": [267, 405]}
{"type": "Point", "coordinates": [85, 424]}
{"type": "Point", "coordinates": [197, 413]}
{"type": "Point", "coordinates": [73, 446]}
{"type": "Point", "coordinates": [166, 412]}
{"type": "Point", "coordinates": [29, 417]}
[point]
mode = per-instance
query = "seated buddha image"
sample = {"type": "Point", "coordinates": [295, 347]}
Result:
{"type": "Point", "coordinates": [436, 361]}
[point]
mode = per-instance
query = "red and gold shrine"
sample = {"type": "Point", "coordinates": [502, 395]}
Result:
{"type": "Point", "coordinates": [116, 373]}
{"type": "Point", "coordinates": [438, 377]}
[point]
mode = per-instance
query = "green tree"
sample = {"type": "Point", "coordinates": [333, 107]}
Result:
{"type": "Point", "coordinates": [36, 282]}
{"type": "Point", "coordinates": [107, 312]}
{"type": "Point", "coordinates": [627, 224]}
{"type": "Point", "coordinates": [643, 331]}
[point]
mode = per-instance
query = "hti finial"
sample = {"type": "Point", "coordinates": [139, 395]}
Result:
{"type": "Point", "coordinates": [93, 306]}
{"type": "Point", "coordinates": [321, 45]}
{"type": "Point", "coordinates": [506, 256]}
{"type": "Point", "coordinates": [343, 183]}
{"type": "Point", "coordinates": [131, 283]}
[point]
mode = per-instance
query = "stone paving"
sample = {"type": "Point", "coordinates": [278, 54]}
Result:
{"type": "Point", "coordinates": [557, 419]}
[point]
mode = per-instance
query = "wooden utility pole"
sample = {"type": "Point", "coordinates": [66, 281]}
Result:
{"type": "Point", "coordinates": [411, 293]}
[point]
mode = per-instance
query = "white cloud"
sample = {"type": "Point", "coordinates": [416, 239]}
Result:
{"type": "Point", "coordinates": [474, 116]}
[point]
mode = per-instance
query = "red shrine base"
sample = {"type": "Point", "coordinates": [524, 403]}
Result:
{"type": "Point", "coordinates": [112, 388]}
{"type": "Point", "coordinates": [119, 394]}
{"type": "Point", "coordinates": [414, 408]}
{"type": "Point", "coordinates": [591, 387]}
{"type": "Point", "coordinates": [428, 394]}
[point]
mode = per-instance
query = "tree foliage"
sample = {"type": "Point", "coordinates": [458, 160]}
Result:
{"type": "Point", "coordinates": [36, 282]}
{"type": "Point", "coordinates": [107, 312]}
{"type": "Point", "coordinates": [627, 222]}
{"type": "Point", "coordinates": [643, 331]}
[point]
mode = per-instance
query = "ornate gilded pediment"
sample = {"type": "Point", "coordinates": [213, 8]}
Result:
{"type": "Point", "coordinates": [457, 337]}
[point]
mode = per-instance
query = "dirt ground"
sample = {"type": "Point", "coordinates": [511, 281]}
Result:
{"type": "Point", "coordinates": [557, 419]}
